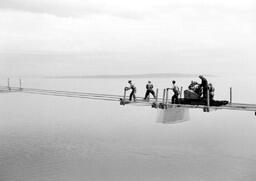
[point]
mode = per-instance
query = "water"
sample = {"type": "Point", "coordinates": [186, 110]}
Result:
{"type": "Point", "coordinates": [59, 138]}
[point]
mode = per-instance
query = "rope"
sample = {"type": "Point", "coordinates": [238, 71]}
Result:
{"type": "Point", "coordinates": [75, 96]}
{"type": "Point", "coordinates": [71, 92]}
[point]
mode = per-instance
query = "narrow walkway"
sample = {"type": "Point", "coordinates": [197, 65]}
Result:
{"type": "Point", "coordinates": [139, 102]}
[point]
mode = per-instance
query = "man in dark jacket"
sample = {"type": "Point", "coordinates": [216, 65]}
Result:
{"type": "Point", "coordinates": [211, 91]}
{"type": "Point", "coordinates": [150, 90]}
{"type": "Point", "coordinates": [204, 86]}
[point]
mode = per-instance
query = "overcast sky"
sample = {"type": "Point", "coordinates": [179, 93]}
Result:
{"type": "Point", "coordinates": [77, 37]}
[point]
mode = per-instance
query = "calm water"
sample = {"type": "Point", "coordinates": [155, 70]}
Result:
{"type": "Point", "coordinates": [46, 138]}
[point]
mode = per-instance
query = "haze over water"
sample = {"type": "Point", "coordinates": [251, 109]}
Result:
{"type": "Point", "coordinates": [60, 138]}
{"type": "Point", "coordinates": [53, 138]}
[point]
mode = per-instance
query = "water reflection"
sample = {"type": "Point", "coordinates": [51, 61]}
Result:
{"type": "Point", "coordinates": [173, 115]}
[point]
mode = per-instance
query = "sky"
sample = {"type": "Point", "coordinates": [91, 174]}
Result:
{"type": "Point", "coordinates": [77, 37]}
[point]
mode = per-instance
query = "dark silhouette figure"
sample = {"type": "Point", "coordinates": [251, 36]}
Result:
{"type": "Point", "coordinates": [211, 91]}
{"type": "Point", "coordinates": [204, 86]}
{"type": "Point", "coordinates": [150, 90]}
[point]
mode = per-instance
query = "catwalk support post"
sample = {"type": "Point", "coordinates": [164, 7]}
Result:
{"type": "Point", "coordinates": [230, 95]}
{"type": "Point", "coordinates": [20, 84]}
{"type": "Point", "coordinates": [8, 84]}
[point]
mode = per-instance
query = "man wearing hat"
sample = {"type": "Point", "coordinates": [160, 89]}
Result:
{"type": "Point", "coordinates": [133, 88]}
{"type": "Point", "coordinates": [150, 90]}
{"type": "Point", "coordinates": [204, 86]}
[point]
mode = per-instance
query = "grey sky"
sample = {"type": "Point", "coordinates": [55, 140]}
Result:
{"type": "Point", "coordinates": [99, 37]}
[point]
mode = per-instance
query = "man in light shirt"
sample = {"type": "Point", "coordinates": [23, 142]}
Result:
{"type": "Point", "coordinates": [133, 92]}
{"type": "Point", "coordinates": [175, 89]}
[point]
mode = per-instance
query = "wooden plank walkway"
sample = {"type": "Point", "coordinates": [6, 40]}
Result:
{"type": "Point", "coordinates": [139, 101]}
{"type": "Point", "coordinates": [230, 106]}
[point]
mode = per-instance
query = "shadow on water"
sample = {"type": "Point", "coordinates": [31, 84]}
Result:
{"type": "Point", "coordinates": [173, 115]}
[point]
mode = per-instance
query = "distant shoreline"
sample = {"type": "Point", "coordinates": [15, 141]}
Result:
{"type": "Point", "coordinates": [119, 76]}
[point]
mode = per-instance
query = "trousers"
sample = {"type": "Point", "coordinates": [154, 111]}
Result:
{"type": "Point", "coordinates": [175, 99]}
{"type": "Point", "coordinates": [149, 92]}
{"type": "Point", "coordinates": [132, 95]}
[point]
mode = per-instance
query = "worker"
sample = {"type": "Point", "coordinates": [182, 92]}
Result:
{"type": "Point", "coordinates": [195, 87]}
{"type": "Point", "coordinates": [192, 85]}
{"type": "Point", "coordinates": [204, 86]}
{"type": "Point", "coordinates": [149, 90]}
{"type": "Point", "coordinates": [175, 89]}
{"type": "Point", "coordinates": [211, 91]}
{"type": "Point", "coordinates": [133, 92]}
